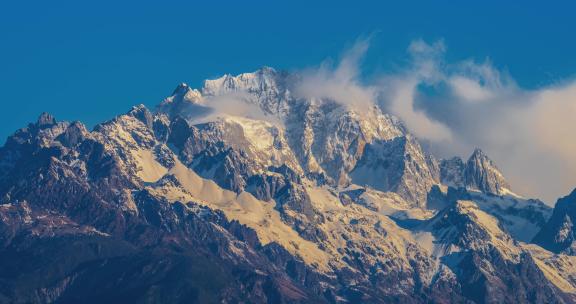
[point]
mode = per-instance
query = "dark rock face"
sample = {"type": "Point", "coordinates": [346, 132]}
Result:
{"type": "Point", "coordinates": [266, 187]}
{"type": "Point", "coordinates": [284, 187]}
{"type": "Point", "coordinates": [201, 148]}
{"type": "Point", "coordinates": [399, 165]}
{"type": "Point", "coordinates": [501, 282]}
{"type": "Point", "coordinates": [184, 101]}
{"type": "Point", "coordinates": [489, 271]}
{"type": "Point", "coordinates": [73, 135]}
{"type": "Point", "coordinates": [559, 234]}
{"type": "Point", "coordinates": [452, 172]}
{"type": "Point", "coordinates": [45, 120]}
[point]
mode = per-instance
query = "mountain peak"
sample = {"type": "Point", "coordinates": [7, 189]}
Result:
{"type": "Point", "coordinates": [479, 172]}
{"type": "Point", "coordinates": [142, 113]}
{"type": "Point", "coordinates": [181, 89]}
{"type": "Point", "coordinates": [482, 174]}
{"type": "Point", "coordinates": [266, 70]}
{"type": "Point", "coordinates": [182, 97]}
{"type": "Point", "coordinates": [263, 79]}
{"type": "Point", "coordinates": [45, 119]}
{"type": "Point", "coordinates": [478, 153]}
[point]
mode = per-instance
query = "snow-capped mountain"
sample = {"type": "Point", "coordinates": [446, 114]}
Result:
{"type": "Point", "coordinates": [244, 191]}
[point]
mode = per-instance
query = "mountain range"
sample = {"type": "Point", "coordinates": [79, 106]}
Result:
{"type": "Point", "coordinates": [243, 191]}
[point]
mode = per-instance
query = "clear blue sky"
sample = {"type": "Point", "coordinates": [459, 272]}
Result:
{"type": "Point", "coordinates": [90, 62]}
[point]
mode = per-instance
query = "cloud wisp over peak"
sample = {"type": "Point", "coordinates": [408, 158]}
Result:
{"type": "Point", "coordinates": [457, 106]}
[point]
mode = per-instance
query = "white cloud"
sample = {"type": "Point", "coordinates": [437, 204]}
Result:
{"type": "Point", "coordinates": [529, 133]}
{"type": "Point", "coordinates": [400, 95]}
{"type": "Point", "coordinates": [468, 89]}
{"type": "Point", "coordinates": [339, 83]}
{"type": "Point", "coordinates": [398, 91]}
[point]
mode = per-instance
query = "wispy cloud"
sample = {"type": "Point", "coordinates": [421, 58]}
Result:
{"type": "Point", "coordinates": [339, 82]}
{"type": "Point", "coordinates": [458, 106]}
{"type": "Point", "coordinates": [398, 91]}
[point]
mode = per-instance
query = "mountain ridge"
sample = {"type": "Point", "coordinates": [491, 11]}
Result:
{"type": "Point", "coordinates": [321, 204]}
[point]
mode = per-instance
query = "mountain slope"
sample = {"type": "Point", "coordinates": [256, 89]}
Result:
{"type": "Point", "coordinates": [490, 266]}
{"type": "Point", "coordinates": [559, 234]}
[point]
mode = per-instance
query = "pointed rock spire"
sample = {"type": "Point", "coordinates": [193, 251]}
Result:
{"type": "Point", "coordinates": [482, 174]}
{"type": "Point", "coordinates": [181, 89]}
{"type": "Point", "coordinates": [478, 173]}
{"type": "Point", "coordinates": [45, 119]}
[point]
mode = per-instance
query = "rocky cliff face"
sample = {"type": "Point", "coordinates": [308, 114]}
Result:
{"type": "Point", "coordinates": [559, 234]}
{"type": "Point", "coordinates": [489, 265]}
{"type": "Point", "coordinates": [309, 201]}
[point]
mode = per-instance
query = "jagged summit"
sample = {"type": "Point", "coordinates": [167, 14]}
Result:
{"type": "Point", "coordinates": [482, 174]}
{"type": "Point", "coordinates": [138, 107]}
{"type": "Point", "coordinates": [45, 119]}
{"type": "Point", "coordinates": [264, 79]}
{"type": "Point", "coordinates": [182, 101]}
{"type": "Point", "coordinates": [142, 113]}
{"type": "Point", "coordinates": [478, 153]}
{"type": "Point", "coordinates": [478, 173]}
{"type": "Point", "coordinates": [181, 89]}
